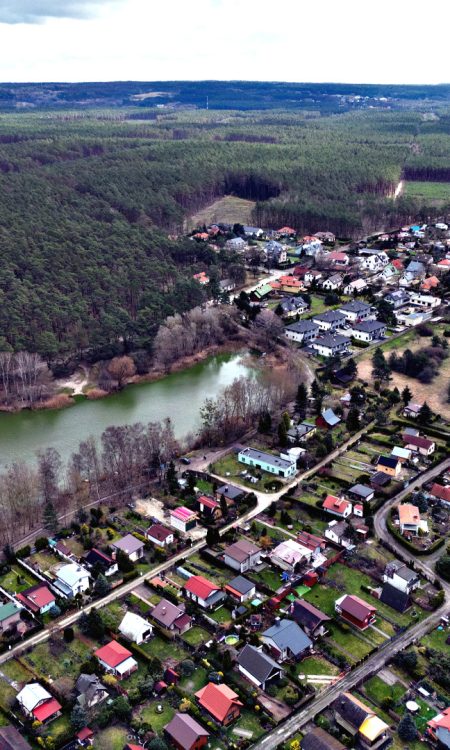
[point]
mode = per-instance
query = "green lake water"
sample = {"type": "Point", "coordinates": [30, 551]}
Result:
{"type": "Point", "coordinates": [178, 396]}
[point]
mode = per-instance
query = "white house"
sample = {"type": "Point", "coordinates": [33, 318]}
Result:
{"type": "Point", "coordinates": [330, 320]}
{"type": "Point", "coordinates": [426, 301]}
{"type": "Point", "coordinates": [337, 506]}
{"type": "Point", "coordinates": [312, 247]}
{"type": "Point", "coordinates": [72, 579]}
{"type": "Point", "coordinates": [116, 659]}
{"type": "Point", "coordinates": [312, 275]}
{"type": "Point", "coordinates": [159, 535]}
{"type": "Point", "coordinates": [205, 593]}
{"type": "Point", "coordinates": [183, 518]}
{"type": "Point", "coordinates": [409, 519]}
{"type": "Point", "coordinates": [369, 330]}
{"type": "Point", "coordinates": [401, 577]}
{"type": "Point", "coordinates": [337, 532]}
{"type": "Point", "coordinates": [356, 311]}
{"type": "Point", "coordinates": [37, 703]}
{"type": "Point", "coordinates": [302, 332]}
{"type": "Point", "coordinates": [237, 244]}
{"type": "Point", "coordinates": [268, 462]}
{"type": "Point", "coordinates": [333, 282]}
{"type": "Point", "coordinates": [329, 345]}
{"type": "Point", "coordinates": [131, 546]}
{"type": "Point", "coordinates": [372, 260]}
{"type": "Point", "coordinates": [242, 555]}
{"type": "Point", "coordinates": [288, 555]}
{"type": "Point", "coordinates": [355, 287]}
{"type": "Point", "coordinates": [135, 628]}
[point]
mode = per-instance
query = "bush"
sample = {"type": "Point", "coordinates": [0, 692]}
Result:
{"type": "Point", "coordinates": [68, 634]}
{"type": "Point", "coordinates": [23, 552]}
{"type": "Point", "coordinates": [41, 543]}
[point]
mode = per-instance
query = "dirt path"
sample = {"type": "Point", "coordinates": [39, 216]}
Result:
{"type": "Point", "coordinates": [77, 381]}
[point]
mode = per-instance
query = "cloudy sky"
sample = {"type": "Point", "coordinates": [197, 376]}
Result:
{"type": "Point", "coordinates": [387, 41]}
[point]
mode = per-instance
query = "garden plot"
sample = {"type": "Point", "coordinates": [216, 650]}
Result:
{"type": "Point", "coordinates": [17, 579]}
{"type": "Point", "coordinates": [57, 660]}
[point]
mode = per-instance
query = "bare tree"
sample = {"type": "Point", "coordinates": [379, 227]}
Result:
{"type": "Point", "coordinates": [49, 474]}
{"type": "Point", "coordinates": [6, 371]}
{"type": "Point", "coordinates": [121, 368]}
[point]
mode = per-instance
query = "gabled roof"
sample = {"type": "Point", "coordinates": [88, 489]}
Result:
{"type": "Point", "coordinates": [418, 441]}
{"type": "Point", "coordinates": [45, 710]}
{"type": "Point", "coordinates": [409, 514]}
{"type": "Point", "coordinates": [390, 462]}
{"type": "Point", "coordinates": [328, 414]}
{"type": "Point", "coordinates": [95, 556]}
{"type": "Point", "coordinates": [11, 739]}
{"type": "Point", "coordinates": [393, 597]}
{"type": "Point", "coordinates": [441, 492]}
{"type": "Point", "coordinates": [72, 573]}
{"type": "Point", "coordinates": [362, 490]}
{"type": "Point", "coordinates": [256, 663]}
{"type": "Point", "coordinates": [159, 532]}
{"type": "Point", "coordinates": [183, 514]}
{"type": "Point", "coordinates": [185, 730]}
{"type": "Point", "coordinates": [32, 694]}
{"type": "Point", "coordinates": [291, 552]}
{"type": "Point", "coordinates": [36, 597]}
{"type": "Point", "coordinates": [240, 584]}
{"type": "Point", "coordinates": [318, 739]}
{"type": "Point", "coordinates": [352, 710]}
{"type": "Point", "coordinates": [112, 654]}
{"type": "Point", "coordinates": [8, 610]}
{"type": "Point", "coordinates": [133, 625]}
{"type": "Point", "coordinates": [128, 544]}
{"type": "Point", "coordinates": [201, 587]}
{"type": "Point", "coordinates": [307, 615]}
{"type": "Point", "coordinates": [286, 634]}
{"type": "Point", "coordinates": [336, 504]}
{"type": "Point", "coordinates": [217, 699]}
{"type": "Point", "coordinates": [167, 613]}
{"type": "Point", "coordinates": [441, 720]}
{"type": "Point", "coordinates": [356, 607]}
{"type": "Point", "coordinates": [208, 502]}
{"type": "Point", "coordinates": [241, 550]}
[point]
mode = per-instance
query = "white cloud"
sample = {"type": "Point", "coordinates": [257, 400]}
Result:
{"type": "Point", "coordinates": [36, 11]}
{"type": "Point", "coordinates": [291, 40]}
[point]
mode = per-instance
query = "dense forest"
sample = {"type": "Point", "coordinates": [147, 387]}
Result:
{"type": "Point", "coordinates": [93, 204]}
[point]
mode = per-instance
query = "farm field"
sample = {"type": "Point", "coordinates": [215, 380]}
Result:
{"type": "Point", "coordinates": [226, 210]}
{"type": "Point", "coordinates": [434, 192]}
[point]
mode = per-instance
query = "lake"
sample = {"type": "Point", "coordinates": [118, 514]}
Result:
{"type": "Point", "coordinates": [178, 396]}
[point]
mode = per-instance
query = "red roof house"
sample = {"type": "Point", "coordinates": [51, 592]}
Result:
{"type": "Point", "coordinates": [84, 736]}
{"type": "Point", "coordinates": [220, 701]}
{"type": "Point", "coordinates": [159, 535]}
{"type": "Point", "coordinates": [337, 506]}
{"type": "Point", "coordinates": [419, 444]}
{"type": "Point", "coordinates": [47, 710]}
{"type": "Point", "coordinates": [439, 728]}
{"type": "Point", "coordinates": [441, 492]}
{"type": "Point", "coordinates": [204, 592]}
{"type": "Point", "coordinates": [355, 611]}
{"type": "Point", "coordinates": [116, 659]}
{"type": "Point", "coordinates": [38, 599]}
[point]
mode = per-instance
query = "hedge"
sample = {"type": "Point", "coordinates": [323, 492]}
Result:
{"type": "Point", "coordinates": [411, 547]}
{"type": "Point", "coordinates": [428, 429]}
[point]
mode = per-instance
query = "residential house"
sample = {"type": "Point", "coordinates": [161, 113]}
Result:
{"type": "Point", "coordinates": [37, 703]}
{"type": "Point", "coordinates": [390, 272]}
{"type": "Point", "coordinates": [311, 276]}
{"type": "Point", "coordinates": [412, 410]}
{"type": "Point", "coordinates": [95, 558]}
{"type": "Point", "coordinates": [230, 492]}
{"type": "Point", "coordinates": [362, 492]}
{"type": "Point", "coordinates": [327, 420]}
{"type": "Point", "coordinates": [159, 535]}
{"type": "Point", "coordinates": [401, 577]}
{"type": "Point", "coordinates": [355, 287]}
{"type": "Point", "coordinates": [401, 454]}
{"type": "Point", "coordinates": [209, 507]}
{"type": "Point", "coordinates": [355, 611]}
{"type": "Point", "coordinates": [398, 600]}
{"type": "Point", "coordinates": [311, 619]}
{"type": "Point", "coordinates": [311, 246]}
{"type": "Point", "coordinates": [240, 589]}
{"type": "Point", "coordinates": [135, 628]}
{"type": "Point", "coordinates": [183, 519]}
{"type": "Point", "coordinates": [286, 640]}
{"type": "Point", "coordinates": [85, 737]}
{"type": "Point", "coordinates": [330, 345]}
{"type": "Point", "coordinates": [261, 292]}
{"type": "Point", "coordinates": [301, 432]}
{"type": "Point", "coordinates": [287, 232]}
{"type": "Point", "coordinates": [91, 690]}
{"type": "Point", "coordinates": [339, 533]}
{"type": "Point", "coordinates": [333, 283]}
{"type": "Point", "coordinates": [203, 592]}
{"type": "Point", "coordinates": [379, 480]}
{"type": "Point", "coordinates": [220, 701]}
{"type": "Point", "coordinates": [398, 298]}
{"type": "Point", "coordinates": [288, 284]}
{"type": "Point", "coordinates": [369, 330]}
{"type": "Point", "coordinates": [242, 555]}
{"type": "Point", "coordinates": [302, 332]}
{"type": "Point", "coordinates": [338, 259]}
{"type": "Point", "coordinates": [389, 465]}
{"type": "Point", "coordinates": [318, 739]}
{"type": "Point", "coordinates": [185, 733]}
{"type": "Point", "coordinates": [418, 444]}
{"type": "Point", "coordinates": [268, 462]}
{"type": "Point", "coordinates": [257, 667]}
{"type": "Point", "coordinates": [360, 722]}
{"type": "Point", "coordinates": [315, 543]}
{"type": "Point", "coordinates": [116, 660]}
{"type": "Point", "coordinates": [330, 320]}
{"type": "Point", "coordinates": [132, 547]}
{"type": "Point", "coordinates": [276, 253]}
{"type": "Point", "coordinates": [409, 519]}
{"type": "Point", "coordinates": [9, 616]}
{"type": "Point", "coordinates": [441, 492]}
{"type": "Point", "coordinates": [237, 245]}
{"type": "Point", "coordinates": [337, 506]}
{"type": "Point", "coordinates": [11, 739]}
{"type": "Point", "coordinates": [292, 306]}
{"type": "Point", "coordinates": [38, 599]}
{"type": "Point", "coordinates": [328, 238]}
{"type": "Point", "coordinates": [372, 260]}
{"type": "Point", "coordinates": [432, 282]}
{"type": "Point", "coordinates": [438, 728]}
{"type": "Point", "coordinates": [253, 232]}
{"type": "Point", "coordinates": [289, 555]}
{"type": "Point", "coordinates": [171, 616]}
{"type": "Point", "coordinates": [226, 285]}
{"type": "Point", "coordinates": [356, 311]}
{"type": "Point", "coordinates": [72, 579]}
{"type": "Point", "coordinates": [201, 277]}
{"type": "Point", "coordinates": [425, 301]}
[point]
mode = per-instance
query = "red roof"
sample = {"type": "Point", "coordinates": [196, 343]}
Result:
{"type": "Point", "coordinates": [112, 654]}
{"type": "Point", "coordinates": [200, 587]}
{"type": "Point", "coordinates": [397, 264]}
{"type": "Point", "coordinates": [336, 504]}
{"type": "Point", "coordinates": [353, 605]}
{"type": "Point", "coordinates": [217, 700]}
{"type": "Point", "coordinates": [208, 502]}
{"type": "Point", "coordinates": [335, 255]}
{"type": "Point", "coordinates": [286, 230]}
{"type": "Point", "coordinates": [84, 734]}
{"type": "Point", "coordinates": [418, 441]}
{"type": "Point", "coordinates": [47, 709]}
{"type": "Point", "coordinates": [159, 532]}
{"type": "Point", "coordinates": [443, 493]}
{"type": "Point", "coordinates": [441, 720]}
{"type": "Point", "coordinates": [36, 597]}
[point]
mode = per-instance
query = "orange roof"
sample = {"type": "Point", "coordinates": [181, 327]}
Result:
{"type": "Point", "coordinates": [441, 720]}
{"type": "Point", "coordinates": [335, 504]}
{"type": "Point", "coordinates": [217, 700]}
{"type": "Point", "coordinates": [445, 262]}
{"type": "Point", "coordinates": [408, 513]}
{"type": "Point", "coordinates": [113, 653]}
{"type": "Point", "coordinates": [397, 264]}
{"type": "Point", "coordinates": [310, 238]}
{"type": "Point", "coordinates": [430, 283]}
{"type": "Point", "coordinates": [438, 490]}
{"type": "Point", "coordinates": [275, 284]}
{"type": "Point", "coordinates": [286, 230]}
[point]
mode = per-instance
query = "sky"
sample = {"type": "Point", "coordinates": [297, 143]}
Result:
{"type": "Point", "coordinates": [387, 41]}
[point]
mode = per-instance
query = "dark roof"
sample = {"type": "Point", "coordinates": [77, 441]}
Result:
{"type": "Point", "coordinates": [97, 557]}
{"type": "Point", "coordinates": [318, 739]}
{"type": "Point", "coordinates": [362, 490]}
{"type": "Point", "coordinates": [387, 461]}
{"type": "Point", "coordinates": [355, 306]}
{"type": "Point", "coordinates": [352, 710]}
{"type": "Point", "coordinates": [287, 634]}
{"type": "Point", "coordinates": [331, 341]}
{"type": "Point", "coordinates": [185, 730]}
{"type": "Point", "coordinates": [330, 316]}
{"type": "Point", "coordinates": [229, 490]}
{"type": "Point", "coordinates": [302, 326]}
{"type": "Point", "coordinates": [380, 479]}
{"type": "Point", "coordinates": [292, 303]}
{"type": "Point", "coordinates": [393, 597]}
{"type": "Point", "coordinates": [369, 325]}
{"type": "Point", "coordinates": [11, 739]}
{"type": "Point", "coordinates": [258, 664]}
{"type": "Point", "coordinates": [307, 615]}
{"type": "Point", "coordinates": [241, 585]}
{"type": "Point", "coordinates": [159, 532]}
{"type": "Point", "coordinates": [356, 607]}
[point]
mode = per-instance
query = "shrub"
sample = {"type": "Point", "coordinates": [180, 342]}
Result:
{"type": "Point", "coordinates": [68, 634]}
{"type": "Point", "coordinates": [41, 543]}
{"type": "Point", "coordinates": [23, 552]}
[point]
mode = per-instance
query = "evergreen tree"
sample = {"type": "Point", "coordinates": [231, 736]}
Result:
{"type": "Point", "coordinates": [351, 367]}
{"type": "Point", "coordinates": [265, 422]}
{"type": "Point", "coordinates": [223, 506]}
{"type": "Point", "coordinates": [380, 368]}
{"type": "Point", "coordinates": [425, 414]}
{"type": "Point", "coordinates": [406, 395]}
{"type": "Point", "coordinates": [102, 586]}
{"type": "Point", "coordinates": [171, 477]}
{"type": "Point", "coordinates": [352, 421]}
{"type": "Point", "coordinates": [316, 390]}
{"type": "Point", "coordinates": [286, 419]}
{"type": "Point", "coordinates": [78, 717]}
{"type": "Point", "coordinates": [50, 518]}
{"type": "Point", "coordinates": [301, 400]}
{"type": "Point", "coordinates": [407, 730]}
{"type": "Point", "coordinates": [212, 536]}
{"type": "Point", "coordinates": [282, 434]}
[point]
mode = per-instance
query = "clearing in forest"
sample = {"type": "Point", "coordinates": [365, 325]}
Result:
{"type": "Point", "coordinates": [429, 192]}
{"type": "Point", "coordinates": [229, 210]}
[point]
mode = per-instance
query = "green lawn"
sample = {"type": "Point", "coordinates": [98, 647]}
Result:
{"type": "Point", "coordinates": [229, 466]}
{"type": "Point", "coordinates": [157, 720]}
{"type": "Point", "coordinates": [197, 680]}
{"type": "Point", "coordinates": [249, 721]}
{"type": "Point", "coordinates": [196, 635]}
{"type": "Point", "coordinates": [221, 615]}
{"type": "Point", "coordinates": [164, 649]}
{"type": "Point", "coordinates": [323, 598]}
{"type": "Point", "coordinates": [59, 727]}
{"type": "Point", "coordinates": [66, 664]}
{"type": "Point", "coordinates": [315, 665]}
{"type": "Point", "coordinates": [352, 645]}
{"type": "Point", "coordinates": [205, 487]}
{"type": "Point", "coordinates": [10, 581]}
{"type": "Point", "coordinates": [378, 690]}
{"type": "Point", "coordinates": [113, 614]}
{"type": "Point", "coordinates": [16, 671]}
{"type": "Point", "coordinates": [429, 191]}
{"type": "Point", "coordinates": [112, 738]}
{"type": "Point", "coordinates": [436, 640]}
{"type": "Point", "coordinates": [270, 578]}
{"type": "Point", "coordinates": [45, 560]}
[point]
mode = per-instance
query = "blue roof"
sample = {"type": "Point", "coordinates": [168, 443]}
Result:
{"type": "Point", "coordinates": [287, 634]}
{"type": "Point", "coordinates": [330, 417]}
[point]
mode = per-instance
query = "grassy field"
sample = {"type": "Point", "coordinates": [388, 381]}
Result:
{"type": "Point", "coordinates": [378, 690]}
{"type": "Point", "coordinates": [157, 720]}
{"type": "Point", "coordinates": [196, 635]}
{"type": "Point", "coordinates": [164, 649]}
{"type": "Point", "coordinates": [436, 640]}
{"type": "Point", "coordinates": [222, 615]}
{"type": "Point", "coordinates": [270, 578]}
{"type": "Point", "coordinates": [351, 644]}
{"type": "Point", "coordinates": [436, 192]}
{"type": "Point", "coordinates": [10, 581]}
{"type": "Point", "coordinates": [67, 664]}
{"type": "Point", "coordinates": [113, 614]}
{"type": "Point", "coordinates": [197, 680]}
{"type": "Point", "coordinates": [248, 721]}
{"type": "Point", "coordinates": [16, 671]}
{"type": "Point", "coordinates": [226, 210]}
{"type": "Point", "coordinates": [315, 665]}
{"type": "Point", "coordinates": [112, 738]}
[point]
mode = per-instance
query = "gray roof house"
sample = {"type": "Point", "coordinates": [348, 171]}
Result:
{"type": "Point", "coordinates": [132, 547]}
{"type": "Point", "coordinates": [356, 310]}
{"type": "Point", "coordinates": [319, 739]}
{"type": "Point", "coordinates": [369, 330]}
{"type": "Point", "coordinates": [90, 690]}
{"type": "Point", "coordinates": [240, 588]}
{"type": "Point", "coordinates": [330, 320]}
{"type": "Point", "coordinates": [242, 555]}
{"type": "Point", "coordinates": [286, 640]}
{"type": "Point", "coordinates": [257, 667]}
{"type": "Point", "coordinates": [171, 616]}
{"type": "Point", "coordinates": [302, 331]}
{"type": "Point", "coordinates": [362, 492]}
{"type": "Point", "coordinates": [328, 345]}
